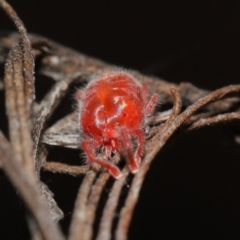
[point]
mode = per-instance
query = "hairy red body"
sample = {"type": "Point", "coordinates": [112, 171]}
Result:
{"type": "Point", "coordinates": [112, 113]}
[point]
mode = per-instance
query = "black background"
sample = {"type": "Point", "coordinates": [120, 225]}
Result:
{"type": "Point", "coordinates": [192, 188]}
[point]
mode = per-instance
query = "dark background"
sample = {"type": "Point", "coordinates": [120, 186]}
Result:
{"type": "Point", "coordinates": [192, 189]}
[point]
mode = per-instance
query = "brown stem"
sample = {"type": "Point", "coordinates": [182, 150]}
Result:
{"type": "Point", "coordinates": [92, 205]}
{"type": "Point", "coordinates": [106, 222]}
{"type": "Point", "coordinates": [28, 61]}
{"type": "Point", "coordinates": [214, 120]}
{"type": "Point", "coordinates": [62, 168]}
{"type": "Point", "coordinates": [80, 213]}
{"type": "Point", "coordinates": [28, 189]}
{"type": "Point", "coordinates": [19, 125]}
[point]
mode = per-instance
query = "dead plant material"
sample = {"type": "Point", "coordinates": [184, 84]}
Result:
{"type": "Point", "coordinates": [30, 136]}
{"type": "Point", "coordinates": [62, 168]}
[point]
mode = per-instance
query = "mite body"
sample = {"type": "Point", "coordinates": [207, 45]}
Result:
{"type": "Point", "coordinates": [112, 116]}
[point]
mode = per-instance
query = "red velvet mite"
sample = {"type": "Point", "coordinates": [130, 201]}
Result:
{"type": "Point", "coordinates": [112, 116]}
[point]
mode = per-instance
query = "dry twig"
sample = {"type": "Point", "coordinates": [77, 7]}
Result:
{"type": "Point", "coordinates": [80, 211]}
{"type": "Point", "coordinates": [20, 93]}
{"type": "Point", "coordinates": [74, 171]}
{"type": "Point", "coordinates": [215, 120]}
{"type": "Point", "coordinates": [105, 226]}
{"type": "Point", "coordinates": [29, 190]}
{"type": "Point", "coordinates": [20, 132]}
{"type": "Point", "coordinates": [92, 205]}
{"type": "Point", "coordinates": [28, 62]}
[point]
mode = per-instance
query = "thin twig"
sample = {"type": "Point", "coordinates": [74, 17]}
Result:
{"type": "Point", "coordinates": [176, 108]}
{"type": "Point", "coordinates": [56, 167]}
{"type": "Point", "coordinates": [19, 126]}
{"type": "Point", "coordinates": [92, 206]}
{"type": "Point", "coordinates": [80, 213]}
{"type": "Point", "coordinates": [28, 61]}
{"type": "Point", "coordinates": [106, 222]}
{"type": "Point", "coordinates": [28, 189]}
{"type": "Point", "coordinates": [199, 116]}
{"type": "Point", "coordinates": [20, 93]}
{"type": "Point", "coordinates": [214, 120]}
{"type": "Point", "coordinates": [214, 96]}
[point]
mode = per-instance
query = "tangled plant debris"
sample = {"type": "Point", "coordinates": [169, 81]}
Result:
{"type": "Point", "coordinates": [24, 149]}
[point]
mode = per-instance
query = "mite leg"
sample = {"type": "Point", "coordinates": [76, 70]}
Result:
{"type": "Point", "coordinates": [145, 90]}
{"type": "Point", "coordinates": [151, 104]}
{"type": "Point", "coordinates": [139, 150]}
{"type": "Point", "coordinates": [132, 161]}
{"type": "Point", "coordinates": [135, 161]}
{"type": "Point", "coordinates": [79, 95]}
{"type": "Point", "coordinates": [88, 147]}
